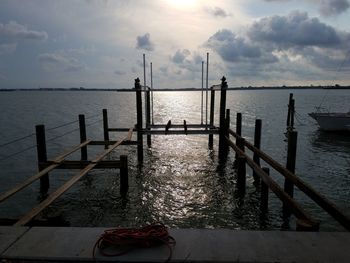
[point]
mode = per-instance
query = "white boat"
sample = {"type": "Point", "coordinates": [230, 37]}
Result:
{"type": "Point", "coordinates": [332, 121]}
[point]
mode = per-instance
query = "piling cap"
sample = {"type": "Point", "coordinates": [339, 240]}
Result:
{"type": "Point", "coordinates": [137, 83]}
{"type": "Point", "coordinates": [223, 82]}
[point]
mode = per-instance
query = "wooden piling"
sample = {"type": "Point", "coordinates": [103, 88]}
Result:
{"type": "Point", "coordinates": [227, 127]}
{"type": "Point", "coordinates": [257, 144]}
{"type": "Point", "coordinates": [241, 168]}
{"type": "Point", "coordinates": [148, 116]}
{"type": "Point", "coordinates": [82, 128]}
{"type": "Point", "coordinates": [288, 114]}
{"type": "Point", "coordinates": [291, 158]}
{"type": "Point", "coordinates": [292, 112]}
{"type": "Point", "coordinates": [42, 157]}
{"type": "Point", "coordinates": [264, 193]}
{"type": "Point", "coordinates": [139, 120]}
{"type": "Point", "coordinates": [124, 180]}
{"type": "Point", "coordinates": [238, 129]}
{"type": "Point", "coordinates": [105, 127]}
{"type": "Point", "coordinates": [211, 117]}
{"type": "Point", "coordinates": [222, 139]}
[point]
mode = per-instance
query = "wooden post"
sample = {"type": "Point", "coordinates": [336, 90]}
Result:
{"type": "Point", "coordinates": [291, 157]}
{"type": "Point", "coordinates": [105, 127]}
{"type": "Point", "coordinates": [222, 139]}
{"type": "Point", "coordinates": [82, 128]}
{"type": "Point", "coordinates": [241, 168]}
{"type": "Point", "coordinates": [124, 180]}
{"type": "Point", "coordinates": [227, 127]}
{"type": "Point", "coordinates": [42, 157]}
{"type": "Point", "coordinates": [211, 117]}
{"type": "Point", "coordinates": [289, 103]}
{"type": "Point", "coordinates": [264, 193]}
{"type": "Point", "coordinates": [139, 120]}
{"type": "Point", "coordinates": [257, 144]}
{"type": "Point", "coordinates": [292, 112]}
{"type": "Point", "coordinates": [148, 116]}
{"type": "Point", "coordinates": [238, 129]}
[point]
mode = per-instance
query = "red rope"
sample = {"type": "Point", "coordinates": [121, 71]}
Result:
{"type": "Point", "coordinates": [126, 239]}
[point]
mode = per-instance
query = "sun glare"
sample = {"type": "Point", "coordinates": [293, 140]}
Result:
{"type": "Point", "coordinates": [182, 3]}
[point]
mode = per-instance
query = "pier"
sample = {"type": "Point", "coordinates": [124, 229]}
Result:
{"type": "Point", "coordinates": [196, 245]}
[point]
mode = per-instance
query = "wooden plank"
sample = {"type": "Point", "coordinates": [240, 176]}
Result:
{"type": "Point", "coordinates": [35, 177]}
{"type": "Point", "coordinates": [328, 206]}
{"type": "Point", "coordinates": [81, 164]}
{"type": "Point", "coordinates": [284, 197]}
{"type": "Point", "coordinates": [112, 142]}
{"type": "Point", "coordinates": [181, 132]}
{"type": "Point", "coordinates": [130, 134]}
{"type": "Point", "coordinates": [52, 197]}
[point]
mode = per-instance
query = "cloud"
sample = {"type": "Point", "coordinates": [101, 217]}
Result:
{"type": "Point", "coordinates": [144, 42]}
{"type": "Point", "coordinates": [180, 56]}
{"type": "Point", "coordinates": [119, 72]}
{"type": "Point", "coordinates": [18, 31]}
{"type": "Point", "coordinates": [333, 7]}
{"type": "Point", "coordinates": [186, 60]}
{"type": "Point", "coordinates": [59, 62]}
{"type": "Point", "coordinates": [7, 48]}
{"type": "Point", "coordinates": [295, 29]}
{"type": "Point", "coordinates": [232, 48]}
{"type": "Point", "coordinates": [217, 12]}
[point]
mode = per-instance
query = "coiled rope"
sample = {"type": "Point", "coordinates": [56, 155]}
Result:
{"type": "Point", "coordinates": [126, 239]}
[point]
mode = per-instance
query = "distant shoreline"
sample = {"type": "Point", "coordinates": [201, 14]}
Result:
{"type": "Point", "coordinates": [337, 87]}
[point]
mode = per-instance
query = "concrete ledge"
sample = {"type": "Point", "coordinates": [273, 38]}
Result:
{"type": "Point", "coordinates": [9, 235]}
{"type": "Point", "coordinates": [192, 245]}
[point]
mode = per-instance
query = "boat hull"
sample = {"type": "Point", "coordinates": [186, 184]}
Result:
{"type": "Point", "coordinates": [332, 121]}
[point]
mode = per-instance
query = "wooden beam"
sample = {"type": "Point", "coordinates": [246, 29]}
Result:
{"type": "Point", "coordinates": [181, 132]}
{"type": "Point", "coordinates": [328, 206]}
{"type": "Point", "coordinates": [56, 163]}
{"type": "Point", "coordinates": [52, 197]}
{"type": "Point", "coordinates": [112, 142]}
{"type": "Point", "coordinates": [82, 164]}
{"type": "Point", "coordinates": [130, 134]}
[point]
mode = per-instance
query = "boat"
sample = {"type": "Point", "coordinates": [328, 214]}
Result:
{"type": "Point", "coordinates": [332, 121]}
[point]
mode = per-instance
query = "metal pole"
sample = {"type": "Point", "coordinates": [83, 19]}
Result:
{"type": "Point", "coordinates": [202, 92]}
{"type": "Point", "coordinates": [206, 94]}
{"type": "Point", "coordinates": [144, 84]}
{"type": "Point", "coordinates": [152, 92]}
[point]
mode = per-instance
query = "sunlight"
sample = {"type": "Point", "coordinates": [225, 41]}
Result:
{"type": "Point", "coordinates": [182, 3]}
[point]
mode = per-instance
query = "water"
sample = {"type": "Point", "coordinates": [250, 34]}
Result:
{"type": "Point", "coordinates": [180, 182]}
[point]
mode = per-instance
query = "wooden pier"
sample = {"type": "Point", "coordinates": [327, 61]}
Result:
{"type": "Point", "coordinates": [239, 145]}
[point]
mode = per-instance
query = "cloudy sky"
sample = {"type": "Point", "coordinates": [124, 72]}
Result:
{"type": "Point", "coordinates": [99, 44]}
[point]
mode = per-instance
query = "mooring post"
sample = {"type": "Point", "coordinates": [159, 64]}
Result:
{"type": "Point", "coordinates": [148, 116]}
{"type": "Point", "coordinates": [124, 174]}
{"type": "Point", "coordinates": [264, 193]}
{"type": "Point", "coordinates": [227, 127]}
{"type": "Point", "coordinates": [82, 128]}
{"type": "Point", "coordinates": [238, 129]}
{"type": "Point", "coordinates": [291, 157]}
{"type": "Point", "coordinates": [211, 117]}
{"type": "Point", "coordinates": [288, 114]}
{"type": "Point", "coordinates": [222, 139]}
{"type": "Point", "coordinates": [105, 127]}
{"type": "Point", "coordinates": [292, 112]}
{"type": "Point", "coordinates": [139, 120]}
{"type": "Point", "coordinates": [257, 144]}
{"type": "Point", "coordinates": [42, 157]}
{"type": "Point", "coordinates": [241, 168]}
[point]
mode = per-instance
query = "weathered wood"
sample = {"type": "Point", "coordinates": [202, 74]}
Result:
{"type": "Point", "coordinates": [222, 140]}
{"type": "Point", "coordinates": [180, 132]}
{"type": "Point", "coordinates": [241, 174]}
{"type": "Point", "coordinates": [82, 128]}
{"type": "Point", "coordinates": [264, 193]}
{"type": "Point", "coordinates": [105, 127]}
{"type": "Point", "coordinates": [211, 118]}
{"type": "Point", "coordinates": [43, 172]}
{"type": "Point", "coordinates": [52, 197]}
{"type": "Point", "coordinates": [292, 113]}
{"type": "Point", "coordinates": [127, 142]}
{"type": "Point", "coordinates": [289, 109]}
{"type": "Point", "coordinates": [82, 164]}
{"type": "Point", "coordinates": [124, 180]}
{"type": "Point", "coordinates": [139, 120]}
{"type": "Point", "coordinates": [181, 126]}
{"type": "Point", "coordinates": [257, 144]}
{"type": "Point", "coordinates": [227, 126]}
{"type": "Point", "coordinates": [238, 128]}
{"type": "Point", "coordinates": [291, 158]}
{"type": "Point", "coordinates": [284, 197]}
{"type": "Point", "coordinates": [328, 206]}
{"type": "Point", "coordinates": [42, 157]}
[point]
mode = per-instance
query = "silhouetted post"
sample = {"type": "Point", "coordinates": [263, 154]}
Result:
{"type": "Point", "coordinates": [292, 112]}
{"type": "Point", "coordinates": [148, 116]}
{"type": "Point", "coordinates": [139, 120]}
{"type": "Point", "coordinates": [124, 180]}
{"type": "Point", "coordinates": [222, 139]}
{"type": "Point", "coordinates": [238, 128]}
{"type": "Point", "coordinates": [291, 157]}
{"type": "Point", "coordinates": [105, 128]}
{"type": "Point", "coordinates": [42, 157]}
{"type": "Point", "coordinates": [257, 144]}
{"type": "Point", "coordinates": [241, 168]}
{"type": "Point", "coordinates": [227, 126]}
{"type": "Point", "coordinates": [264, 193]}
{"type": "Point", "coordinates": [82, 128]}
{"type": "Point", "coordinates": [211, 117]}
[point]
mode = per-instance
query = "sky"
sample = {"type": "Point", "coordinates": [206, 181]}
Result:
{"type": "Point", "coordinates": [100, 43]}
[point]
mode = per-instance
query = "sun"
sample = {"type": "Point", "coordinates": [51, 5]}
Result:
{"type": "Point", "coordinates": [182, 3]}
